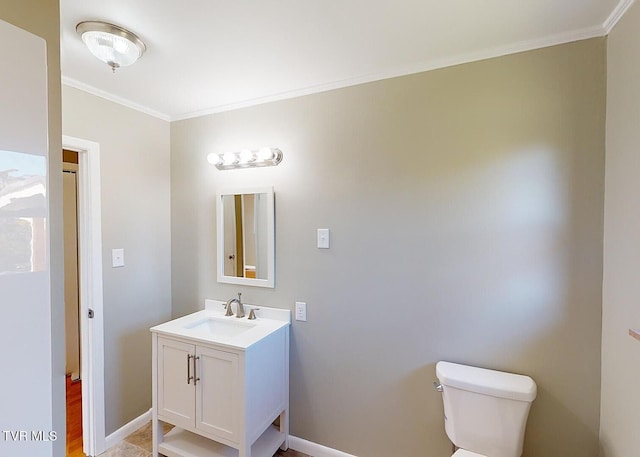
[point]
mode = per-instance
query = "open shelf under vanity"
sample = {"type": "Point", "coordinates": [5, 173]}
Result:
{"type": "Point", "coordinates": [182, 443]}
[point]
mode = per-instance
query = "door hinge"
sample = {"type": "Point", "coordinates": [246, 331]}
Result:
{"type": "Point", "coordinates": [90, 314]}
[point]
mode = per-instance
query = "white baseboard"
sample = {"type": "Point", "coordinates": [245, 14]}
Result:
{"type": "Point", "coordinates": [295, 443]}
{"type": "Point", "coordinates": [314, 449]}
{"type": "Point", "coordinates": [127, 429]}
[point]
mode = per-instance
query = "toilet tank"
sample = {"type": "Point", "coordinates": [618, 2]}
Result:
{"type": "Point", "coordinates": [485, 410]}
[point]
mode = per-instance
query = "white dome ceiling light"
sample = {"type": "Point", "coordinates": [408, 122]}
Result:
{"type": "Point", "coordinates": [115, 46]}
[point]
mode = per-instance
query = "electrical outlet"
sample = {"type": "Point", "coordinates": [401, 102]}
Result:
{"type": "Point", "coordinates": [301, 311]}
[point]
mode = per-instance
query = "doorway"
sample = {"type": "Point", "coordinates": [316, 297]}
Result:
{"type": "Point", "coordinates": [90, 305]}
{"type": "Point", "coordinates": [73, 382]}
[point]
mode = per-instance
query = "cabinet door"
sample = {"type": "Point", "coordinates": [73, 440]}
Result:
{"type": "Point", "coordinates": [176, 392]}
{"type": "Point", "coordinates": [217, 407]}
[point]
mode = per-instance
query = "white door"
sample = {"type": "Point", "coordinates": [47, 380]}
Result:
{"type": "Point", "coordinates": [27, 399]}
{"type": "Point", "coordinates": [217, 393]}
{"type": "Point", "coordinates": [176, 392]}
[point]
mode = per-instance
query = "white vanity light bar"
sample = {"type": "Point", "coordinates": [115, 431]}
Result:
{"type": "Point", "coordinates": [263, 157]}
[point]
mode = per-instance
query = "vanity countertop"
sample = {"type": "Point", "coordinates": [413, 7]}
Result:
{"type": "Point", "coordinates": [211, 325]}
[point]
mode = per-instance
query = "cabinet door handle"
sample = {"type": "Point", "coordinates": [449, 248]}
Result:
{"type": "Point", "coordinates": [195, 381]}
{"type": "Point", "coordinates": [189, 377]}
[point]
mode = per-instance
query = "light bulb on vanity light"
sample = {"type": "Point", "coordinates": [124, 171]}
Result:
{"type": "Point", "coordinates": [265, 154]}
{"type": "Point", "coordinates": [229, 158]}
{"type": "Point", "coordinates": [213, 158]}
{"type": "Point", "coordinates": [246, 156]}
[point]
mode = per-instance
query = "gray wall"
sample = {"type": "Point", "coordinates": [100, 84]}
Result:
{"type": "Point", "coordinates": [621, 287]}
{"type": "Point", "coordinates": [134, 170]}
{"type": "Point", "coordinates": [465, 208]}
{"type": "Point", "coordinates": [43, 398]}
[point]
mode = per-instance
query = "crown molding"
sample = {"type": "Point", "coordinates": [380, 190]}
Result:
{"type": "Point", "coordinates": [617, 14]}
{"type": "Point", "coordinates": [577, 35]}
{"type": "Point", "coordinates": [113, 98]}
{"type": "Point", "coordinates": [499, 51]}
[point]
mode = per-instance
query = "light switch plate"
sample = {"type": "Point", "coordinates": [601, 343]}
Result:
{"type": "Point", "coordinates": [117, 258]}
{"type": "Point", "coordinates": [323, 238]}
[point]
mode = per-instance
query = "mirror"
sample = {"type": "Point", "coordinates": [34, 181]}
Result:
{"type": "Point", "coordinates": [246, 237]}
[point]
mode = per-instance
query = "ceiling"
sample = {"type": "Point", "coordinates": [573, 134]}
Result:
{"type": "Point", "coordinates": [206, 56]}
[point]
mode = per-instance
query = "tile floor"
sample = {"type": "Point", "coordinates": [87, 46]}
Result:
{"type": "Point", "coordinates": [138, 444]}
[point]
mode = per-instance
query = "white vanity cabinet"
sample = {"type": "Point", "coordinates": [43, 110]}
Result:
{"type": "Point", "coordinates": [198, 387]}
{"type": "Point", "coordinates": [222, 395]}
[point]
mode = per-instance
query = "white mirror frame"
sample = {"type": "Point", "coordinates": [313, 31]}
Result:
{"type": "Point", "coordinates": [270, 281]}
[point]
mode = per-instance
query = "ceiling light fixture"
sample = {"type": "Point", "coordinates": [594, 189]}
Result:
{"type": "Point", "coordinates": [264, 157]}
{"type": "Point", "coordinates": [115, 46]}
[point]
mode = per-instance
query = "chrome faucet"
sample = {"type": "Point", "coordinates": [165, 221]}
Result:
{"type": "Point", "coordinates": [239, 311]}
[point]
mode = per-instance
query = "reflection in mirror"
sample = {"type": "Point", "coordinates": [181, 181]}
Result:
{"type": "Point", "coordinates": [245, 244]}
{"type": "Point", "coordinates": [22, 212]}
{"type": "Point", "coordinates": [245, 237]}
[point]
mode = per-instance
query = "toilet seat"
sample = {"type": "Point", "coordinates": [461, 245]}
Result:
{"type": "Point", "coordinates": [464, 453]}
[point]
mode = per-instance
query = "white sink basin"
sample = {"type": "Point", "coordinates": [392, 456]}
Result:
{"type": "Point", "coordinates": [219, 328]}
{"type": "Point", "coordinates": [211, 325]}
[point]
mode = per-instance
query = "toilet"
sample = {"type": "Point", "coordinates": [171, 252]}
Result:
{"type": "Point", "coordinates": [485, 411]}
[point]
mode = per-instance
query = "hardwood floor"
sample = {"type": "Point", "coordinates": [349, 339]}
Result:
{"type": "Point", "coordinates": [74, 418]}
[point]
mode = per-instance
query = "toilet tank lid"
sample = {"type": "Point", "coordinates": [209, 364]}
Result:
{"type": "Point", "coordinates": [488, 382]}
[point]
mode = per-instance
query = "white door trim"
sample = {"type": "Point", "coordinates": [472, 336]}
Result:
{"type": "Point", "coordinates": [90, 284]}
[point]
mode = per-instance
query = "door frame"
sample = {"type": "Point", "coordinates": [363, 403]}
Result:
{"type": "Point", "coordinates": [91, 293]}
